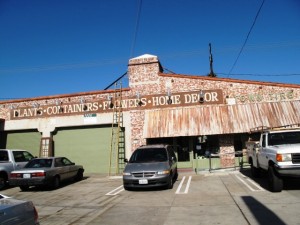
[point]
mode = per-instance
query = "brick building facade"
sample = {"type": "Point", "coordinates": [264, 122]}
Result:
{"type": "Point", "coordinates": [199, 113]}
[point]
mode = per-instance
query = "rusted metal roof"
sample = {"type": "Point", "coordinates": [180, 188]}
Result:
{"type": "Point", "coordinates": [220, 119]}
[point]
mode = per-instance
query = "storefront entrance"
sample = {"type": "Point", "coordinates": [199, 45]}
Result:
{"type": "Point", "coordinates": [200, 152]}
{"type": "Point", "coordinates": [184, 149]}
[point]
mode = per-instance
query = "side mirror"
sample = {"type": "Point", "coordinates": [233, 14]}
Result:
{"type": "Point", "coordinates": [257, 145]}
{"type": "Point", "coordinates": [126, 160]}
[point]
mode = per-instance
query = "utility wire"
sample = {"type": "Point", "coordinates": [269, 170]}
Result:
{"type": "Point", "coordinates": [261, 75]}
{"type": "Point", "coordinates": [136, 27]}
{"type": "Point", "coordinates": [120, 61]}
{"type": "Point", "coordinates": [133, 43]}
{"type": "Point", "coordinates": [115, 81]}
{"type": "Point", "coordinates": [247, 37]}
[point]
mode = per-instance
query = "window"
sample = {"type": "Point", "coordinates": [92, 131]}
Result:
{"type": "Point", "coordinates": [3, 156]}
{"type": "Point", "coordinates": [149, 155]}
{"type": "Point", "coordinates": [66, 162]}
{"type": "Point", "coordinates": [264, 140]}
{"type": "Point", "coordinates": [284, 138]}
{"type": "Point", "coordinates": [21, 156]}
{"type": "Point", "coordinates": [58, 162]}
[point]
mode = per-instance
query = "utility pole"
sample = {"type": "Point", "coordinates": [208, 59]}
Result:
{"type": "Point", "coordinates": [211, 74]}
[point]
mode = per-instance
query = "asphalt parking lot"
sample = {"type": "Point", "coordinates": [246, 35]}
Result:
{"type": "Point", "coordinates": [229, 197]}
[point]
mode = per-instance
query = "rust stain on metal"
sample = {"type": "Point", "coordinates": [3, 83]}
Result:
{"type": "Point", "coordinates": [219, 119]}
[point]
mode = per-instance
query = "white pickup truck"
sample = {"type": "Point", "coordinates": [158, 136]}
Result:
{"type": "Point", "coordinates": [277, 151]}
{"type": "Point", "coordinates": [11, 159]}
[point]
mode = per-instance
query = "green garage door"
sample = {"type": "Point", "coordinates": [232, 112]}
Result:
{"type": "Point", "coordinates": [89, 147]}
{"type": "Point", "coordinates": [27, 140]}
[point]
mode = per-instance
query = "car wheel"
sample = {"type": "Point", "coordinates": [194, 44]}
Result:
{"type": "Point", "coordinates": [275, 182]}
{"type": "Point", "coordinates": [56, 182]}
{"type": "Point", "coordinates": [24, 187]}
{"type": "Point", "coordinates": [79, 175]}
{"type": "Point", "coordinates": [127, 188]}
{"type": "Point", "coordinates": [2, 181]}
{"type": "Point", "coordinates": [170, 184]}
{"type": "Point", "coordinates": [255, 172]}
{"type": "Point", "coordinates": [176, 175]}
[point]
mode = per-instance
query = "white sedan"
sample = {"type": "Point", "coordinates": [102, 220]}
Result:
{"type": "Point", "coordinates": [49, 171]}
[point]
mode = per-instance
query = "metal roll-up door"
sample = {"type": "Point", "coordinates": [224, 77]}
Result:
{"type": "Point", "coordinates": [87, 146]}
{"type": "Point", "coordinates": [26, 140]}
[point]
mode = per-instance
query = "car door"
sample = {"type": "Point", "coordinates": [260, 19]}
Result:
{"type": "Point", "coordinates": [21, 158]}
{"type": "Point", "coordinates": [70, 168]}
{"type": "Point", "coordinates": [61, 169]}
{"type": "Point", "coordinates": [262, 155]}
{"type": "Point", "coordinates": [172, 158]}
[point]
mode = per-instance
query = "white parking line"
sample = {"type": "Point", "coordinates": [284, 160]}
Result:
{"type": "Point", "coordinates": [186, 187]}
{"type": "Point", "coordinates": [250, 181]}
{"type": "Point", "coordinates": [116, 191]}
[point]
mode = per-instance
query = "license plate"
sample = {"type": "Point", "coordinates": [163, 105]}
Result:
{"type": "Point", "coordinates": [26, 175]}
{"type": "Point", "coordinates": [143, 181]}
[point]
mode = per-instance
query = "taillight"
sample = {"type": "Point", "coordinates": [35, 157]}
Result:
{"type": "Point", "coordinates": [36, 215]}
{"type": "Point", "coordinates": [38, 174]}
{"type": "Point", "coordinates": [15, 175]}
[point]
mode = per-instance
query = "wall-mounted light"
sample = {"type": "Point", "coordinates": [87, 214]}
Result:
{"type": "Point", "coordinates": [138, 96]}
{"type": "Point", "coordinates": [169, 101]}
{"type": "Point", "coordinates": [12, 106]}
{"type": "Point", "coordinates": [82, 101]}
{"type": "Point", "coordinates": [59, 103]}
{"type": "Point", "coordinates": [36, 105]}
{"type": "Point", "coordinates": [201, 96]}
{"type": "Point", "coordinates": [110, 99]}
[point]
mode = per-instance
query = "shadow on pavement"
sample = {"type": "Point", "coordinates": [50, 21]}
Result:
{"type": "Point", "coordinates": [261, 213]}
{"type": "Point", "coordinates": [289, 183]}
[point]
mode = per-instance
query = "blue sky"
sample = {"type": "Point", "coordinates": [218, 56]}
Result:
{"type": "Point", "coordinates": [54, 47]}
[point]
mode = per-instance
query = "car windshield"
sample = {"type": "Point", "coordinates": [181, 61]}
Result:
{"type": "Point", "coordinates": [149, 155]}
{"type": "Point", "coordinates": [284, 138]}
{"type": "Point", "coordinates": [39, 163]}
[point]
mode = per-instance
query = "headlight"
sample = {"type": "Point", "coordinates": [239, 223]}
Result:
{"type": "Point", "coordinates": [126, 174]}
{"type": "Point", "coordinates": [163, 172]}
{"type": "Point", "coordinates": [283, 157]}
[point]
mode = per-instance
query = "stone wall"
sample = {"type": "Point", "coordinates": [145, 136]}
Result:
{"type": "Point", "coordinates": [227, 156]}
{"type": "Point", "coordinates": [137, 119]}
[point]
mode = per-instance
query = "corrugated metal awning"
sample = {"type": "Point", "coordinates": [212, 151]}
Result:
{"type": "Point", "coordinates": [220, 119]}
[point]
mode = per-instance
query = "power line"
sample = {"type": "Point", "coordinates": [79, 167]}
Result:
{"type": "Point", "coordinates": [261, 75]}
{"type": "Point", "coordinates": [64, 66]}
{"type": "Point", "coordinates": [120, 61]}
{"type": "Point", "coordinates": [247, 37]}
{"type": "Point", "coordinates": [136, 27]}
{"type": "Point", "coordinates": [119, 78]}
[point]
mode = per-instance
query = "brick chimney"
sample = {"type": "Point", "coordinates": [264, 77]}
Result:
{"type": "Point", "coordinates": [143, 70]}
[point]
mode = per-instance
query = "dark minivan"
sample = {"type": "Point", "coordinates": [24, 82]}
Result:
{"type": "Point", "coordinates": [151, 166]}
